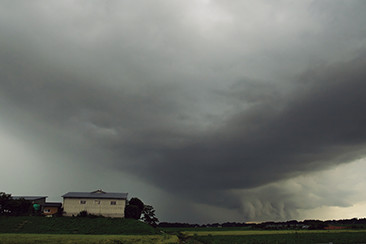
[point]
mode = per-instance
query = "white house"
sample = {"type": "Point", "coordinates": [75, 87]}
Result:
{"type": "Point", "coordinates": [108, 204]}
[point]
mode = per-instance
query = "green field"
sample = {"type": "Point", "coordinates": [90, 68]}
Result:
{"type": "Point", "coordinates": [74, 225]}
{"type": "Point", "coordinates": [334, 237]}
{"type": "Point", "coordinates": [276, 236]}
{"type": "Point", "coordinates": [265, 232]}
{"type": "Point", "coordinates": [108, 230]}
{"type": "Point", "coordinates": [69, 238]}
{"type": "Point", "coordinates": [215, 237]}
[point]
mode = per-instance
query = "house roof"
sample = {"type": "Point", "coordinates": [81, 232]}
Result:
{"type": "Point", "coordinates": [99, 194]}
{"type": "Point", "coordinates": [29, 198]}
{"type": "Point", "coordinates": [52, 204]}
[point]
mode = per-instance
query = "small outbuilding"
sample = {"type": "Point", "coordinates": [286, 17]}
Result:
{"type": "Point", "coordinates": [51, 208]}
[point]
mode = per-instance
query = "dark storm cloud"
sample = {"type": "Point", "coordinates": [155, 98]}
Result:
{"type": "Point", "coordinates": [192, 98]}
{"type": "Point", "coordinates": [319, 124]}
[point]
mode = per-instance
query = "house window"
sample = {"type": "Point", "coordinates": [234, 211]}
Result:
{"type": "Point", "coordinates": [97, 202]}
{"type": "Point", "coordinates": [82, 202]}
{"type": "Point", "coordinates": [113, 202]}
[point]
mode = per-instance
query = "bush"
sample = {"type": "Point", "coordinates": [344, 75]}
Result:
{"type": "Point", "coordinates": [84, 214]}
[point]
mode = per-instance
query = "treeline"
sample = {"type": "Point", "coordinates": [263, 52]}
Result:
{"type": "Point", "coordinates": [315, 224]}
{"type": "Point", "coordinates": [214, 225]}
{"type": "Point", "coordinates": [292, 224]}
{"type": "Point", "coordinates": [14, 207]}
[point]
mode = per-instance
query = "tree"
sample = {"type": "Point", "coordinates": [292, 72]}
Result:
{"type": "Point", "coordinates": [10, 206]}
{"type": "Point", "coordinates": [149, 216]}
{"type": "Point", "coordinates": [137, 202]}
{"type": "Point", "coordinates": [132, 212]}
{"type": "Point", "coordinates": [5, 202]}
{"type": "Point", "coordinates": [20, 207]}
{"type": "Point", "coordinates": [134, 208]}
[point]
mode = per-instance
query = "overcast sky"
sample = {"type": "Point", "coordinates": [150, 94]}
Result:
{"type": "Point", "coordinates": [209, 110]}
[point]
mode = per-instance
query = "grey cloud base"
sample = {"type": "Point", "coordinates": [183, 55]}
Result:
{"type": "Point", "coordinates": [318, 125]}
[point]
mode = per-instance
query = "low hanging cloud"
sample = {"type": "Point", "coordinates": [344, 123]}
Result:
{"type": "Point", "coordinates": [318, 125]}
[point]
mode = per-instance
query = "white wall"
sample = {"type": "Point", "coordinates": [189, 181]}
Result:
{"type": "Point", "coordinates": [73, 206]}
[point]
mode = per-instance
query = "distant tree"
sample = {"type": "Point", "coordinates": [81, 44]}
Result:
{"type": "Point", "coordinates": [10, 206]}
{"type": "Point", "coordinates": [134, 208]}
{"type": "Point", "coordinates": [5, 202]}
{"type": "Point", "coordinates": [149, 216]}
{"type": "Point", "coordinates": [20, 207]}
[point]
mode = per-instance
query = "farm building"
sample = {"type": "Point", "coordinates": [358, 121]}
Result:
{"type": "Point", "coordinates": [51, 208]}
{"type": "Point", "coordinates": [32, 199]}
{"type": "Point", "coordinates": [108, 204]}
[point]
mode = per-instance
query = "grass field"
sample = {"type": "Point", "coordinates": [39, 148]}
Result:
{"type": "Point", "coordinates": [276, 236]}
{"type": "Point", "coordinates": [289, 238]}
{"type": "Point", "coordinates": [101, 239]}
{"type": "Point", "coordinates": [267, 232]}
{"type": "Point", "coordinates": [214, 237]}
{"type": "Point", "coordinates": [107, 230]}
{"type": "Point", "coordinates": [70, 225]}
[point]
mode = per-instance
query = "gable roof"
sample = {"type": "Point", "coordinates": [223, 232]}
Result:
{"type": "Point", "coordinates": [52, 204]}
{"type": "Point", "coordinates": [99, 194]}
{"type": "Point", "coordinates": [28, 198]}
